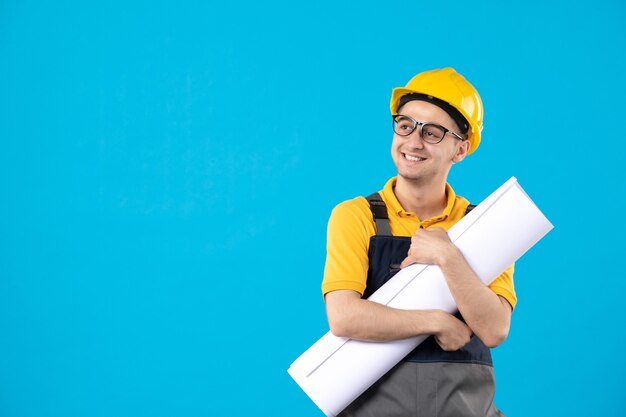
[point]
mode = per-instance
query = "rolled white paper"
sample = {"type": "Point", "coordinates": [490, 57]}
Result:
{"type": "Point", "coordinates": [334, 371]}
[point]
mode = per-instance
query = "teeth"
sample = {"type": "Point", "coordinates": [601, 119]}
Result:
{"type": "Point", "coordinates": [414, 158]}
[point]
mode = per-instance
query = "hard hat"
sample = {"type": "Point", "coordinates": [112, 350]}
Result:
{"type": "Point", "coordinates": [450, 86]}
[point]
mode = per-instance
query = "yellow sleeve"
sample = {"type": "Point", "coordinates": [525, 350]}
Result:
{"type": "Point", "coordinates": [349, 230]}
{"type": "Point", "coordinates": [503, 286]}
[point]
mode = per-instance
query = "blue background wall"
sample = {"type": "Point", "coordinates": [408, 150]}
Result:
{"type": "Point", "coordinates": [167, 170]}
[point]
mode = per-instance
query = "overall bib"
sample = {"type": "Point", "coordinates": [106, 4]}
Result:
{"type": "Point", "coordinates": [428, 382]}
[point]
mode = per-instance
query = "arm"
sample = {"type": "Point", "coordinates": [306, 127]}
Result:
{"type": "Point", "coordinates": [486, 313]}
{"type": "Point", "coordinates": [351, 316]}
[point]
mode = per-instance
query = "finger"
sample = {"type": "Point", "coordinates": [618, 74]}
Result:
{"type": "Point", "coordinates": [406, 262]}
{"type": "Point", "coordinates": [441, 345]}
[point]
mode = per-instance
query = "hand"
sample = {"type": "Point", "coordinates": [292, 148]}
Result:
{"type": "Point", "coordinates": [428, 246]}
{"type": "Point", "coordinates": [453, 333]}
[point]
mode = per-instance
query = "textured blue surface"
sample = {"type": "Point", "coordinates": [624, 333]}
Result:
{"type": "Point", "coordinates": [167, 171]}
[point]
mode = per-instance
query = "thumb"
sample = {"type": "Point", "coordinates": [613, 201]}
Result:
{"type": "Point", "coordinates": [407, 261]}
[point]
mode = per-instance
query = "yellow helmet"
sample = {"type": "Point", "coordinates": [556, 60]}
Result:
{"type": "Point", "coordinates": [450, 86]}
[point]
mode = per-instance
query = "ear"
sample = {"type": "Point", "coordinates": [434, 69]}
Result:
{"type": "Point", "coordinates": [461, 151]}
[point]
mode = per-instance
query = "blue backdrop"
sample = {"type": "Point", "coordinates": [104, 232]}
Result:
{"type": "Point", "coordinates": [167, 170]}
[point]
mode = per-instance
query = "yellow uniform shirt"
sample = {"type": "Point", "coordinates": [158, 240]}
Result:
{"type": "Point", "coordinates": [351, 226]}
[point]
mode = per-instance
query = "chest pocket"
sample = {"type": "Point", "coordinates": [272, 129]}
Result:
{"type": "Point", "coordinates": [385, 255]}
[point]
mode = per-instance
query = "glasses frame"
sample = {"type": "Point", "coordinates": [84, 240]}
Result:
{"type": "Point", "coordinates": [421, 125]}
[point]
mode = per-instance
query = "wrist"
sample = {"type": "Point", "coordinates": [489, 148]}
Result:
{"type": "Point", "coordinates": [436, 321]}
{"type": "Point", "coordinates": [448, 255]}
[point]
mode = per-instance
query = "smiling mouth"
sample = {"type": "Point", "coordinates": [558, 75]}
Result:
{"type": "Point", "coordinates": [413, 158]}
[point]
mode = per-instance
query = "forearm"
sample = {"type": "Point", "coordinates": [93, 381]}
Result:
{"type": "Point", "coordinates": [350, 316]}
{"type": "Point", "coordinates": [487, 314]}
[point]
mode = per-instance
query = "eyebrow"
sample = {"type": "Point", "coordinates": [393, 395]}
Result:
{"type": "Point", "coordinates": [432, 123]}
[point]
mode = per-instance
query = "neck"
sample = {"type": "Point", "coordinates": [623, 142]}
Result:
{"type": "Point", "coordinates": [425, 199]}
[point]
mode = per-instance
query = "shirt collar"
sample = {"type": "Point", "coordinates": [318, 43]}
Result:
{"type": "Point", "coordinates": [394, 206]}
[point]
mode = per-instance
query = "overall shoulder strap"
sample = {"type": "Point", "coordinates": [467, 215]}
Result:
{"type": "Point", "coordinates": [379, 212]}
{"type": "Point", "coordinates": [469, 208]}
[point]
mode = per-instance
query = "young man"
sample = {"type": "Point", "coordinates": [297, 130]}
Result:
{"type": "Point", "coordinates": [437, 120]}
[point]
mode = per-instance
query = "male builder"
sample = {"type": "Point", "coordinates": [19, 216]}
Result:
{"type": "Point", "coordinates": [437, 122]}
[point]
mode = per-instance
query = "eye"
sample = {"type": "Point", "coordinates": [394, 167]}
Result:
{"type": "Point", "coordinates": [404, 125]}
{"type": "Point", "coordinates": [433, 131]}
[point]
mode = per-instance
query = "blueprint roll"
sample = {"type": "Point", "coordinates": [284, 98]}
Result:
{"type": "Point", "coordinates": [334, 371]}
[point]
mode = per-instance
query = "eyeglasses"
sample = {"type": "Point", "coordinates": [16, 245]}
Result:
{"type": "Point", "coordinates": [429, 132]}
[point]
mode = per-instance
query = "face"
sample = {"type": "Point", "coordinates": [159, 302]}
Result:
{"type": "Point", "coordinates": [417, 160]}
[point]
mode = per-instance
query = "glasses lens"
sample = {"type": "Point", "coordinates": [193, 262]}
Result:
{"type": "Point", "coordinates": [403, 125]}
{"type": "Point", "coordinates": [432, 133]}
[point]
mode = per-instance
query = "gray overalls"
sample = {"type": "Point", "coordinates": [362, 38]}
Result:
{"type": "Point", "coordinates": [428, 382]}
